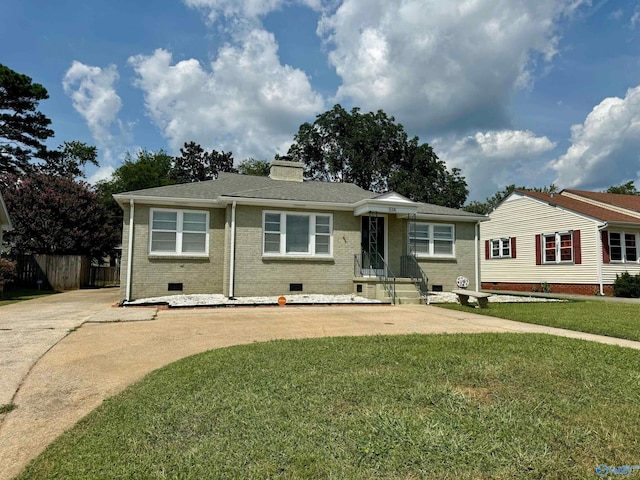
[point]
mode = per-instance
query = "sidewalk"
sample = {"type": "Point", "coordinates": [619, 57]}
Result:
{"type": "Point", "coordinates": [99, 360]}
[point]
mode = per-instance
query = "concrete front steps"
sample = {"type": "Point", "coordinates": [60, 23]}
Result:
{"type": "Point", "coordinates": [371, 287]}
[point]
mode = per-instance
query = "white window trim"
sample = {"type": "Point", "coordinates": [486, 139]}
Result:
{"type": "Point", "coordinates": [623, 245]}
{"type": "Point", "coordinates": [431, 240]}
{"type": "Point", "coordinates": [283, 234]}
{"type": "Point", "coordinates": [557, 248]}
{"type": "Point", "coordinates": [179, 232]}
{"type": "Point", "coordinates": [501, 247]}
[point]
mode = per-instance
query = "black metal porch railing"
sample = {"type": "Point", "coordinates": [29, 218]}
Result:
{"type": "Point", "coordinates": [410, 268]}
{"type": "Point", "coordinates": [375, 265]}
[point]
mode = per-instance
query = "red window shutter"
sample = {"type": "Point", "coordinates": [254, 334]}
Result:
{"type": "Point", "coordinates": [606, 258]}
{"type": "Point", "coordinates": [513, 247]}
{"type": "Point", "coordinates": [487, 250]}
{"type": "Point", "coordinates": [577, 248]}
{"type": "Point", "coordinates": [538, 249]}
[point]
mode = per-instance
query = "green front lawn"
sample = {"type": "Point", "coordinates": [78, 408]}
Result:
{"type": "Point", "coordinates": [620, 320]}
{"type": "Point", "coordinates": [13, 295]}
{"type": "Point", "coordinates": [492, 406]}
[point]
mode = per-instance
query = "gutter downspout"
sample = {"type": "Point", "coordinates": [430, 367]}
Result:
{"type": "Point", "coordinates": [232, 253]}
{"type": "Point", "coordinates": [477, 265]}
{"type": "Point", "coordinates": [130, 249]}
{"type": "Point", "coordinates": [599, 255]}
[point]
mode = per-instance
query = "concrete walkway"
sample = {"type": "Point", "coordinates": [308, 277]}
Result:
{"type": "Point", "coordinates": [99, 359]}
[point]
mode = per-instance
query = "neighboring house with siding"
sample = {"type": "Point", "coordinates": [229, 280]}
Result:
{"type": "Point", "coordinates": [576, 241]}
{"type": "Point", "coordinates": [242, 235]}
{"type": "Point", "coordinates": [5, 221]}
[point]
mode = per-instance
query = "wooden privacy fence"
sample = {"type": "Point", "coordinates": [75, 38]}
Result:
{"type": "Point", "coordinates": [63, 272]}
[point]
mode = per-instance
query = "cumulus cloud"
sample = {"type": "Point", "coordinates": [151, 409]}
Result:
{"type": "Point", "coordinates": [605, 148]}
{"type": "Point", "coordinates": [492, 160]}
{"type": "Point", "coordinates": [244, 9]}
{"type": "Point", "coordinates": [441, 65]}
{"type": "Point", "coordinates": [247, 102]}
{"type": "Point", "coordinates": [94, 96]}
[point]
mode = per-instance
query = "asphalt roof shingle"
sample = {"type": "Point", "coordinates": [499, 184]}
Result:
{"type": "Point", "coordinates": [578, 206]}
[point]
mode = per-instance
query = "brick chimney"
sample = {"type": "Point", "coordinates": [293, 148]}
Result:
{"type": "Point", "coordinates": [287, 170]}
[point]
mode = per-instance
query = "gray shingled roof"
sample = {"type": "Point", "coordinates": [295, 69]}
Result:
{"type": "Point", "coordinates": [250, 186]}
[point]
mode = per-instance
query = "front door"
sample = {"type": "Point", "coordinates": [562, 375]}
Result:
{"type": "Point", "coordinates": [373, 246]}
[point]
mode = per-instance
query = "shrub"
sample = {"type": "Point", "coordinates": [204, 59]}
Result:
{"type": "Point", "coordinates": [7, 272]}
{"type": "Point", "coordinates": [627, 285]}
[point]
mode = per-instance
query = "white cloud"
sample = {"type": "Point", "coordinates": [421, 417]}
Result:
{"type": "Point", "coordinates": [490, 161]}
{"type": "Point", "coordinates": [245, 9]}
{"type": "Point", "coordinates": [94, 97]}
{"type": "Point", "coordinates": [247, 102]}
{"type": "Point", "coordinates": [605, 149]}
{"type": "Point", "coordinates": [103, 173]}
{"type": "Point", "coordinates": [440, 65]}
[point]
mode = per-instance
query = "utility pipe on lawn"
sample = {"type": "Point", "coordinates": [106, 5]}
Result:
{"type": "Point", "coordinates": [130, 249]}
{"type": "Point", "coordinates": [232, 254]}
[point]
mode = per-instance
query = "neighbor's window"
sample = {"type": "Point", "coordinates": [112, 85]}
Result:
{"type": "Point", "coordinates": [623, 247]}
{"type": "Point", "coordinates": [289, 233]}
{"type": "Point", "coordinates": [179, 232]}
{"type": "Point", "coordinates": [431, 239]}
{"type": "Point", "coordinates": [558, 247]}
{"type": "Point", "coordinates": [501, 248]}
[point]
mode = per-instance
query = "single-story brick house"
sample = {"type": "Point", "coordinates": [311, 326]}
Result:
{"type": "Point", "coordinates": [574, 241]}
{"type": "Point", "coordinates": [243, 235]}
{"type": "Point", "coordinates": [5, 221]}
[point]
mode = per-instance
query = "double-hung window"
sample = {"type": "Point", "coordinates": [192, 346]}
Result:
{"type": "Point", "coordinates": [501, 248]}
{"type": "Point", "coordinates": [558, 247]}
{"type": "Point", "coordinates": [432, 239]}
{"type": "Point", "coordinates": [179, 232]}
{"type": "Point", "coordinates": [623, 247]}
{"type": "Point", "coordinates": [297, 233]}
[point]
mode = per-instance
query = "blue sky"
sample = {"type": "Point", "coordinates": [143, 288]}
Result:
{"type": "Point", "coordinates": [510, 91]}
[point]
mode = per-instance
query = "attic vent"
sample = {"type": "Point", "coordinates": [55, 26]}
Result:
{"type": "Point", "coordinates": [174, 287]}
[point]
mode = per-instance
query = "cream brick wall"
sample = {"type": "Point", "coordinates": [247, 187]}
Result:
{"type": "Point", "coordinates": [257, 275]}
{"type": "Point", "coordinates": [152, 274]}
{"type": "Point", "coordinates": [444, 271]}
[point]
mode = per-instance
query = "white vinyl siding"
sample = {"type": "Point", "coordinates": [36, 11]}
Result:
{"type": "Point", "coordinates": [526, 218]}
{"type": "Point", "coordinates": [432, 239]}
{"type": "Point", "coordinates": [297, 234]}
{"type": "Point", "coordinates": [178, 232]}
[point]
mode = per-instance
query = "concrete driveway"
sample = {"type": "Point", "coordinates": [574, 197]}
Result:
{"type": "Point", "coordinates": [99, 359]}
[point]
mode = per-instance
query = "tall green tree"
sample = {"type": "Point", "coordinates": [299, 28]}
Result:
{"type": "Point", "coordinates": [625, 189]}
{"type": "Point", "coordinates": [251, 166]}
{"type": "Point", "coordinates": [70, 159]}
{"type": "Point", "coordinates": [57, 215]}
{"type": "Point", "coordinates": [148, 169]}
{"type": "Point", "coordinates": [23, 129]}
{"type": "Point", "coordinates": [196, 165]}
{"type": "Point", "coordinates": [423, 177]}
{"type": "Point", "coordinates": [374, 152]}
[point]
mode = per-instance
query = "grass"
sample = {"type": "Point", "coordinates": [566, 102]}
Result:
{"type": "Point", "coordinates": [14, 295]}
{"type": "Point", "coordinates": [6, 408]}
{"type": "Point", "coordinates": [620, 320]}
{"type": "Point", "coordinates": [444, 406]}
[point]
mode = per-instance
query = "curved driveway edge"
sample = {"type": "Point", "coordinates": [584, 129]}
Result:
{"type": "Point", "coordinates": [100, 359]}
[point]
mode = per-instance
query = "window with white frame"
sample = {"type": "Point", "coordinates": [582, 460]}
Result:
{"type": "Point", "coordinates": [432, 239]}
{"type": "Point", "coordinates": [623, 247]}
{"type": "Point", "coordinates": [297, 233]}
{"type": "Point", "coordinates": [500, 248]}
{"type": "Point", "coordinates": [179, 232]}
{"type": "Point", "coordinates": [557, 247]}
